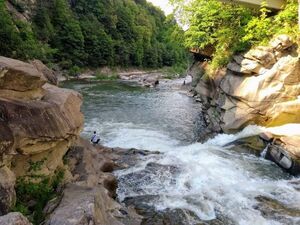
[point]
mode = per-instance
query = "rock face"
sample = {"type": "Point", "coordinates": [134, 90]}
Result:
{"type": "Point", "coordinates": [88, 198]}
{"type": "Point", "coordinates": [285, 152]}
{"type": "Point", "coordinates": [14, 219]}
{"type": "Point", "coordinates": [260, 87]}
{"type": "Point", "coordinates": [7, 190]}
{"type": "Point", "coordinates": [38, 123]}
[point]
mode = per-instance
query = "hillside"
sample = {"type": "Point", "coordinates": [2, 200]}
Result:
{"type": "Point", "coordinates": [81, 33]}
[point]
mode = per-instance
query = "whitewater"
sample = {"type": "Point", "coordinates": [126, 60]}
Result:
{"type": "Point", "coordinates": [210, 179]}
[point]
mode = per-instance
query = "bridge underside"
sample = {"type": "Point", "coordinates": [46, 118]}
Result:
{"type": "Point", "coordinates": [274, 4]}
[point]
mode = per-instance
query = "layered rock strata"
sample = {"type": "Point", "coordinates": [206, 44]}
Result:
{"type": "Point", "coordinates": [260, 87]}
{"type": "Point", "coordinates": [38, 123]}
{"type": "Point", "coordinates": [88, 198]}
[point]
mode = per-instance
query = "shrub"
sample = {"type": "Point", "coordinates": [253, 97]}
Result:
{"type": "Point", "coordinates": [233, 28]}
{"type": "Point", "coordinates": [34, 193]}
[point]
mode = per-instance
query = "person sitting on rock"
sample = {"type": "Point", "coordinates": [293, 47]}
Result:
{"type": "Point", "coordinates": [95, 138]}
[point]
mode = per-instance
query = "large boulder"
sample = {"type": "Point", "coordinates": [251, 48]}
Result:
{"type": "Point", "coordinates": [285, 151]}
{"type": "Point", "coordinates": [48, 73]}
{"type": "Point", "coordinates": [260, 89]}
{"type": "Point", "coordinates": [38, 121]}
{"type": "Point", "coordinates": [14, 219]}
{"type": "Point", "coordinates": [84, 206]}
{"type": "Point", "coordinates": [88, 199]}
{"type": "Point", "coordinates": [20, 80]}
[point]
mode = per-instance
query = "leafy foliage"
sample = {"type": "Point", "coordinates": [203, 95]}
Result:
{"type": "Point", "coordinates": [32, 196]}
{"type": "Point", "coordinates": [17, 39]}
{"type": "Point", "coordinates": [230, 28]}
{"type": "Point", "coordinates": [93, 33]}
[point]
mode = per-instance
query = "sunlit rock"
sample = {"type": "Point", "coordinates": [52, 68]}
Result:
{"type": "Point", "coordinates": [19, 80]}
{"type": "Point", "coordinates": [281, 42]}
{"type": "Point", "coordinates": [257, 88]}
{"type": "Point", "coordinates": [38, 121]}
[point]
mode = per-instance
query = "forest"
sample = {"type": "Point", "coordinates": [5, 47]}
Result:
{"type": "Point", "coordinates": [95, 33]}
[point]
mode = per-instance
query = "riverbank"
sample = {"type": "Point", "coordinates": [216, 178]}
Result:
{"type": "Point", "coordinates": [146, 77]}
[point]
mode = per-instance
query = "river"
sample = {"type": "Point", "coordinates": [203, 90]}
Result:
{"type": "Point", "coordinates": [207, 180]}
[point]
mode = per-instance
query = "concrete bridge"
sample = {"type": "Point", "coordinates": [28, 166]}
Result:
{"type": "Point", "coordinates": [274, 4]}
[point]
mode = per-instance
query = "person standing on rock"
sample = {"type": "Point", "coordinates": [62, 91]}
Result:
{"type": "Point", "coordinates": [95, 138]}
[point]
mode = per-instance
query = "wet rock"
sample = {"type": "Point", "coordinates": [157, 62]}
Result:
{"type": "Point", "coordinates": [285, 152]}
{"type": "Point", "coordinates": [14, 219]}
{"type": "Point", "coordinates": [145, 206]}
{"type": "Point", "coordinates": [129, 157]}
{"type": "Point", "coordinates": [166, 174]}
{"type": "Point", "coordinates": [275, 210]}
{"type": "Point", "coordinates": [150, 81]}
{"type": "Point", "coordinates": [254, 145]}
{"type": "Point", "coordinates": [7, 190]}
{"type": "Point", "coordinates": [111, 184]}
{"type": "Point", "coordinates": [108, 166]}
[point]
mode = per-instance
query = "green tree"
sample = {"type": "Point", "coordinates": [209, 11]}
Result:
{"type": "Point", "coordinates": [68, 37]}
{"type": "Point", "coordinates": [231, 28]}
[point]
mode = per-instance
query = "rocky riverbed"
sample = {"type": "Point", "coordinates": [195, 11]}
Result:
{"type": "Point", "coordinates": [178, 181]}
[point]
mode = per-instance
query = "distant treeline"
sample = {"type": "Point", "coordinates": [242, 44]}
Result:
{"type": "Point", "coordinates": [92, 33]}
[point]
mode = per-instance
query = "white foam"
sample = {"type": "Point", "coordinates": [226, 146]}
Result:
{"type": "Point", "coordinates": [213, 179]}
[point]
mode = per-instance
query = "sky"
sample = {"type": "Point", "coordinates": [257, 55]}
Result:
{"type": "Point", "coordinates": [163, 4]}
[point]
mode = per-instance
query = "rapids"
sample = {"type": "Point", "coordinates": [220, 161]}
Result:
{"type": "Point", "coordinates": [208, 179]}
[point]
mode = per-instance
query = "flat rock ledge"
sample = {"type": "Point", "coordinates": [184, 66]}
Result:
{"type": "Point", "coordinates": [89, 196]}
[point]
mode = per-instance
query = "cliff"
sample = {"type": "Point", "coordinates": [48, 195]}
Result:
{"type": "Point", "coordinates": [46, 171]}
{"type": "Point", "coordinates": [259, 87]}
{"type": "Point", "coordinates": [39, 122]}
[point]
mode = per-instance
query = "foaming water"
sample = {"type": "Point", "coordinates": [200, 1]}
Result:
{"type": "Point", "coordinates": [207, 179]}
{"type": "Point", "coordinates": [215, 180]}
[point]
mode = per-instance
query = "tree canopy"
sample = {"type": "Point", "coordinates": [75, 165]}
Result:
{"type": "Point", "coordinates": [232, 28]}
{"type": "Point", "coordinates": [93, 33]}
